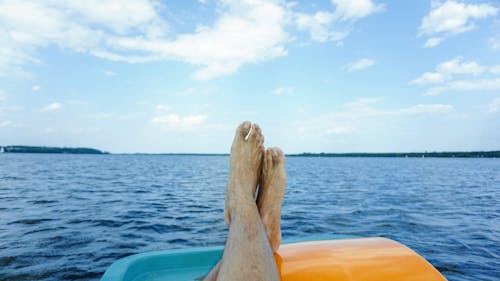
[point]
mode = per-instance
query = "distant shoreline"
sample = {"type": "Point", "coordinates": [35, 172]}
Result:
{"type": "Point", "coordinates": [451, 154]}
{"type": "Point", "coordinates": [85, 150]}
{"type": "Point", "coordinates": [52, 150]}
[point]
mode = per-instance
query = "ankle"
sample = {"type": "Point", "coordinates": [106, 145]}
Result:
{"type": "Point", "coordinates": [243, 209]}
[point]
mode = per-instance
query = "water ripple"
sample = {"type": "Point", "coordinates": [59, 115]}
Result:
{"type": "Point", "coordinates": [68, 217]}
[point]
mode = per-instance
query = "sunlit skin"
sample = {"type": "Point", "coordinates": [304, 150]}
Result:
{"type": "Point", "coordinates": [254, 227]}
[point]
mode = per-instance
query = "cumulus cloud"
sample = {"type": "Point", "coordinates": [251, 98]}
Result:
{"type": "Point", "coordinates": [433, 42]}
{"type": "Point", "coordinates": [81, 26]}
{"type": "Point", "coordinates": [51, 107]}
{"type": "Point", "coordinates": [430, 78]}
{"type": "Point", "coordinates": [243, 32]}
{"type": "Point", "coordinates": [319, 26]}
{"type": "Point", "coordinates": [325, 25]}
{"type": "Point", "coordinates": [450, 18]}
{"type": "Point", "coordinates": [132, 31]}
{"type": "Point", "coordinates": [360, 64]}
{"type": "Point", "coordinates": [459, 66]}
{"type": "Point", "coordinates": [477, 77]}
{"type": "Point", "coordinates": [256, 33]}
{"type": "Point", "coordinates": [346, 10]}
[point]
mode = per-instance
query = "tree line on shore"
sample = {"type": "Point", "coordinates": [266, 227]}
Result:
{"type": "Point", "coordinates": [45, 149]}
{"type": "Point", "coordinates": [458, 154]}
{"type": "Point", "coordinates": [85, 150]}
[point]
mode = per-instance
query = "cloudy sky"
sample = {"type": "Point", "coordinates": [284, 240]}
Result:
{"type": "Point", "coordinates": [178, 76]}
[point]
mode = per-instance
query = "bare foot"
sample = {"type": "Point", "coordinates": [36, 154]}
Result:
{"type": "Point", "coordinates": [272, 187]}
{"type": "Point", "coordinates": [245, 164]}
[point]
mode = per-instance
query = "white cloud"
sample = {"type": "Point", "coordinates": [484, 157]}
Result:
{"type": "Point", "coordinates": [446, 70]}
{"type": "Point", "coordinates": [175, 121]}
{"type": "Point", "coordinates": [318, 26]}
{"type": "Point", "coordinates": [243, 32]}
{"type": "Point", "coordinates": [51, 107]}
{"type": "Point", "coordinates": [433, 42]}
{"type": "Point", "coordinates": [459, 66]}
{"type": "Point", "coordinates": [427, 108]}
{"type": "Point", "coordinates": [324, 25]}
{"type": "Point", "coordinates": [355, 9]}
{"type": "Point", "coordinates": [452, 17]}
{"type": "Point", "coordinates": [494, 105]}
{"type": "Point", "coordinates": [466, 85]}
{"type": "Point", "coordinates": [444, 78]}
{"type": "Point", "coordinates": [35, 88]}
{"type": "Point", "coordinates": [283, 91]}
{"type": "Point", "coordinates": [82, 26]}
{"type": "Point", "coordinates": [430, 78]}
{"type": "Point", "coordinates": [360, 64]}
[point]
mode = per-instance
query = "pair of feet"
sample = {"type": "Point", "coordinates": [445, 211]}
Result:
{"type": "Point", "coordinates": [252, 165]}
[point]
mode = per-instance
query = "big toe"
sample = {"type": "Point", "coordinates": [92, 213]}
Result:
{"type": "Point", "coordinates": [242, 131]}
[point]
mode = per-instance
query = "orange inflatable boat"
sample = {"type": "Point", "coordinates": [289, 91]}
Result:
{"type": "Point", "coordinates": [338, 259]}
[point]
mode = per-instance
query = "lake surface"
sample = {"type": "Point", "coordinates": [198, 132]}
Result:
{"type": "Point", "coordinates": [68, 217]}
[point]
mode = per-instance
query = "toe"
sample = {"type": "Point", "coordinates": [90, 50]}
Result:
{"type": "Point", "coordinates": [256, 133]}
{"type": "Point", "coordinates": [243, 130]}
{"type": "Point", "coordinates": [260, 139]}
{"type": "Point", "coordinates": [278, 155]}
{"type": "Point", "coordinates": [269, 158]}
{"type": "Point", "coordinates": [264, 159]}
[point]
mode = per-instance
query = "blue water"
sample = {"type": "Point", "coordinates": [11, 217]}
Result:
{"type": "Point", "coordinates": [68, 217]}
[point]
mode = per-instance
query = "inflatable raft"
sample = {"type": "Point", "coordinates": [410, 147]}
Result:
{"type": "Point", "coordinates": [339, 258]}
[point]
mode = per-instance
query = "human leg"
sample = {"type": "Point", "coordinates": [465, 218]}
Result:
{"type": "Point", "coordinates": [272, 183]}
{"type": "Point", "coordinates": [247, 253]}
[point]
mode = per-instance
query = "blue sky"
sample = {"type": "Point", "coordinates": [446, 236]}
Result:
{"type": "Point", "coordinates": [178, 76]}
